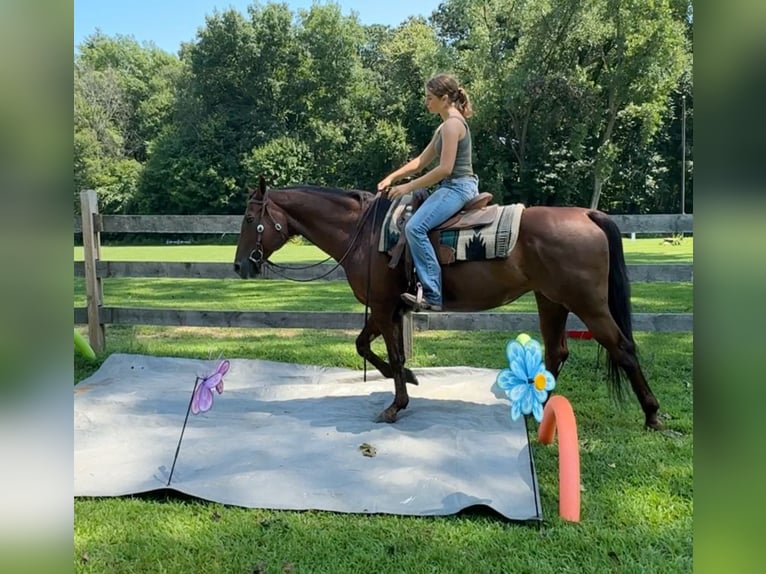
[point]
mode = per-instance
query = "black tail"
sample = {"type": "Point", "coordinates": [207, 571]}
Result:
{"type": "Point", "coordinates": [619, 295]}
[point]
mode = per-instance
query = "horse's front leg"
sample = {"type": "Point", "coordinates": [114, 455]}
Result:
{"type": "Point", "coordinates": [364, 349]}
{"type": "Point", "coordinates": [391, 329]}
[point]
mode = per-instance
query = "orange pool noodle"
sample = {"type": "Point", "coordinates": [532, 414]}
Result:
{"type": "Point", "coordinates": [558, 413]}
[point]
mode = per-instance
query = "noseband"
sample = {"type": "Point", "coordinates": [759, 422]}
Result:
{"type": "Point", "coordinates": [256, 255]}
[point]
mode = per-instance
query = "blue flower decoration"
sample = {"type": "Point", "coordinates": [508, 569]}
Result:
{"type": "Point", "coordinates": [526, 382]}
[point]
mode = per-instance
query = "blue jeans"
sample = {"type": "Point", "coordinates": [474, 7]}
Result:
{"type": "Point", "coordinates": [449, 198]}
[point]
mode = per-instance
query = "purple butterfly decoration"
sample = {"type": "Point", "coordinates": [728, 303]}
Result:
{"type": "Point", "coordinates": [203, 394]}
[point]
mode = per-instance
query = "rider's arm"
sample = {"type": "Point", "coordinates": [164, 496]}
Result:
{"type": "Point", "coordinates": [413, 166]}
{"type": "Point", "coordinates": [450, 132]}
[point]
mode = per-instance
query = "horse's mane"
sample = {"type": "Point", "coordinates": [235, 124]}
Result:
{"type": "Point", "coordinates": [363, 197]}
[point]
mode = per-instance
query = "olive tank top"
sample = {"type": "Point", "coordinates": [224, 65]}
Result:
{"type": "Point", "coordinates": [463, 164]}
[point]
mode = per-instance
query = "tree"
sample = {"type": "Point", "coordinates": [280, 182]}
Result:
{"type": "Point", "coordinates": [411, 55]}
{"type": "Point", "coordinates": [635, 54]}
{"type": "Point", "coordinates": [576, 102]}
{"type": "Point", "coordinates": [234, 95]}
{"type": "Point", "coordinates": [123, 95]}
{"type": "Point", "coordinates": [519, 61]}
{"type": "Point", "coordinates": [146, 77]}
{"type": "Point", "coordinates": [282, 161]}
{"type": "Point", "coordinates": [554, 81]}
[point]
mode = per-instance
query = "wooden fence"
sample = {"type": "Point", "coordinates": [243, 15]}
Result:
{"type": "Point", "coordinates": [96, 315]}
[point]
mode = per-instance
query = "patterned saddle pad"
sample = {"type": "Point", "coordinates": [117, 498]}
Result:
{"type": "Point", "coordinates": [492, 241]}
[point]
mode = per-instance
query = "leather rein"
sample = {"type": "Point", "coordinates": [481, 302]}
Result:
{"type": "Point", "coordinates": [256, 255]}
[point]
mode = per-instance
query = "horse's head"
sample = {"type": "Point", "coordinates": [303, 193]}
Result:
{"type": "Point", "coordinates": [264, 230]}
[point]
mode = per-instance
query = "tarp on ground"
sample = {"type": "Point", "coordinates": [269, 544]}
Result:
{"type": "Point", "coordinates": [288, 436]}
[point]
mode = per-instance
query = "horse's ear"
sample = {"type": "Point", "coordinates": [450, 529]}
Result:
{"type": "Point", "coordinates": [257, 193]}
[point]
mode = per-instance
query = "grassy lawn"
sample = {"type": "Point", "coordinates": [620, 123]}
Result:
{"type": "Point", "coordinates": [637, 485]}
{"type": "Point", "coordinates": [273, 295]}
{"type": "Point", "coordinates": [637, 497]}
{"type": "Point", "coordinates": [638, 251]}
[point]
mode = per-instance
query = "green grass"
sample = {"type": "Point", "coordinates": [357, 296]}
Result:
{"type": "Point", "coordinates": [638, 251]}
{"type": "Point", "coordinates": [637, 486]}
{"type": "Point", "coordinates": [637, 498]}
{"type": "Point", "coordinates": [274, 295]}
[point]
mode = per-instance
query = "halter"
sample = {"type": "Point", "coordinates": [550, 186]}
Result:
{"type": "Point", "coordinates": [256, 255]}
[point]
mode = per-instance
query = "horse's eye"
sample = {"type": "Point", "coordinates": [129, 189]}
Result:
{"type": "Point", "coordinates": [249, 218]}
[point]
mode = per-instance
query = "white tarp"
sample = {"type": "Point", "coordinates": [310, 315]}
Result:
{"type": "Point", "coordinates": [288, 436]}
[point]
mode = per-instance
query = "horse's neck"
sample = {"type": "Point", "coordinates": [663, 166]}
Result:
{"type": "Point", "coordinates": [325, 221]}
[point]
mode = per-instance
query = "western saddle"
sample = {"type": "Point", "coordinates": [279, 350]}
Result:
{"type": "Point", "coordinates": [475, 213]}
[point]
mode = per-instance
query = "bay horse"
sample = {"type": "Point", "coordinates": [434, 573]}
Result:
{"type": "Point", "coordinates": [570, 257]}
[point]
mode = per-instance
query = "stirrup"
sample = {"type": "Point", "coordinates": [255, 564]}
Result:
{"type": "Point", "coordinates": [418, 303]}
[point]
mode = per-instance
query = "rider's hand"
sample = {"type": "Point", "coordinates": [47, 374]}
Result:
{"type": "Point", "coordinates": [384, 183]}
{"type": "Point", "coordinates": [398, 191]}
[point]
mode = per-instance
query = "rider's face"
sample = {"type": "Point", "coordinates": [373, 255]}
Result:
{"type": "Point", "coordinates": [434, 103]}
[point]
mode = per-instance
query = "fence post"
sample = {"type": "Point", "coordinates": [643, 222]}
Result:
{"type": "Point", "coordinates": [407, 334]}
{"type": "Point", "coordinates": [91, 243]}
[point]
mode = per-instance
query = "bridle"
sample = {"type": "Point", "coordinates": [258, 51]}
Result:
{"type": "Point", "coordinates": [256, 255]}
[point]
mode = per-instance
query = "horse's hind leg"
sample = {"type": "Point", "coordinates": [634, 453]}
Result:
{"type": "Point", "coordinates": [622, 354]}
{"type": "Point", "coordinates": [364, 349]}
{"type": "Point", "coordinates": [553, 322]}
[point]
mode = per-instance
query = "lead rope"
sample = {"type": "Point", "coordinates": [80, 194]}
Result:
{"type": "Point", "coordinates": [369, 270]}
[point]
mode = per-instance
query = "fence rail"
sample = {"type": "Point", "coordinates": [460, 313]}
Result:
{"type": "Point", "coordinates": [639, 273]}
{"type": "Point", "coordinates": [444, 321]}
{"type": "Point", "coordinates": [96, 315]}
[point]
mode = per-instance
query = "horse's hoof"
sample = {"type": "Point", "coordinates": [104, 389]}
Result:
{"type": "Point", "coordinates": [654, 424]}
{"type": "Point", "coordinates": [387, 416]}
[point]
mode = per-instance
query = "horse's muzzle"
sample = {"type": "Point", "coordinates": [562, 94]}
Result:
{"type": "Point", "coordinates": [251, 265]}
{"type": "Point", "coordinates": [247, 268]}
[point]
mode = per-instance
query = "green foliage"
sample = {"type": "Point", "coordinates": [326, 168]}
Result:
{"type": "Point", "coordinates": [411, 55]}
{"type": "Point", "coordinates": [573, 100]}
{"type": "Point", "coordinates": [123, 94]}
{"type": "Point", "coordinates": [282, 161]}
{"type": "Point", "coordinates": [180, 178]}
{"type": "Point", "coordinates": [382, 146]}
{"type": "Point", "coordinates": [556, 82]}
